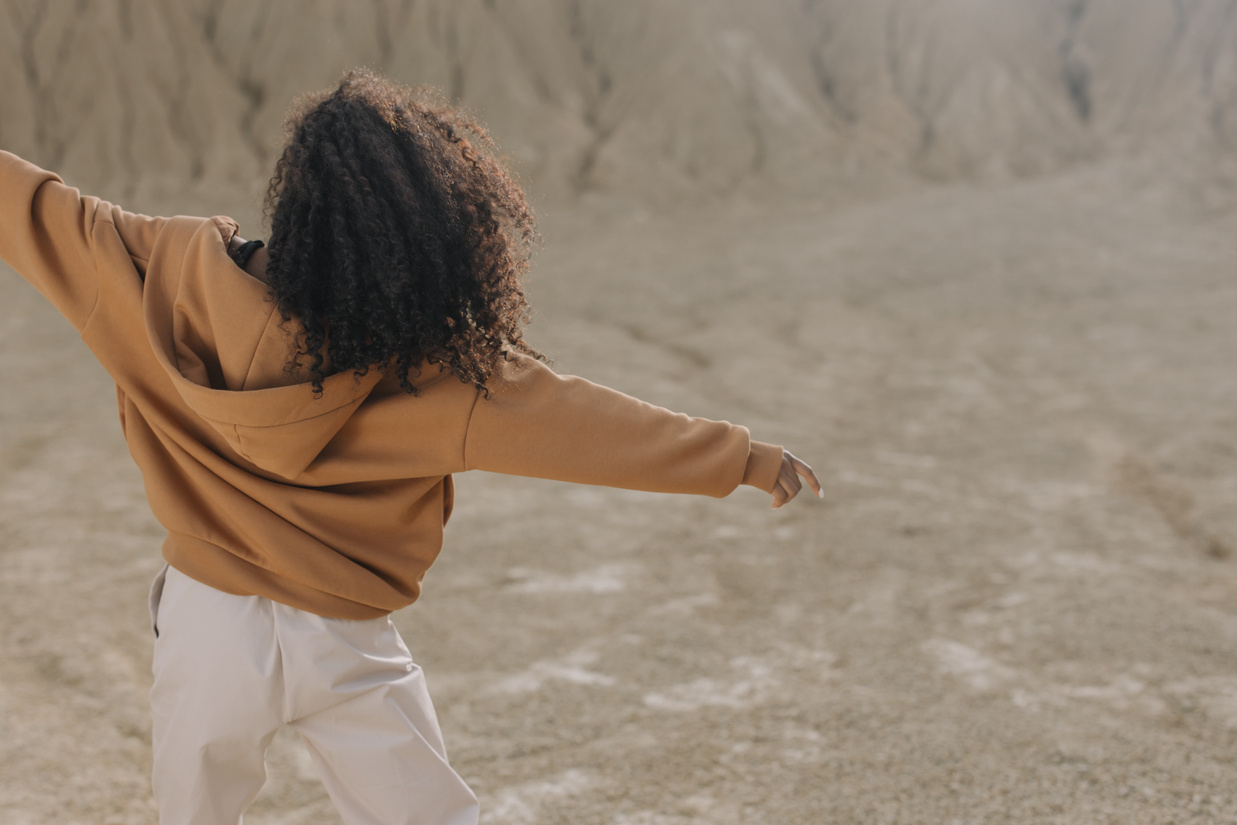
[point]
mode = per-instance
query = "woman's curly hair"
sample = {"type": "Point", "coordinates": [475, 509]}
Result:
{"type": "Point", "coordinates": [396, 237]}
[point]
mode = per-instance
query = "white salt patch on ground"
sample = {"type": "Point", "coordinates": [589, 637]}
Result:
{"type": "Point", "coordinates": [685, 605]}
{"type": "Point", "coordinates": [609, 578]}
{"type": "Point", "coordinates": [808, 746]}
{"type": "Point", "coordinates": [1119, 688]}
{"type": "Point", "coordinates": [1124, 694]}
{"type": "Point", "coordinates": [570, 668]}
{"type": "Point", "coordinates": [1222, 706]}
{"type": "Point", "coordinates": [757, 683]}
{"type": "Point", "coordinates": [968, 665]}
{"type": "Point", "coordinates": [1216, 696]}
{"type": "Point", "coordinates": [696, 809]}
{"type": "Point", "coordinates": [522, 804]}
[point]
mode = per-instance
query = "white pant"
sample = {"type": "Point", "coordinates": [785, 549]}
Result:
{"type": "Point", "coordinates": [231, 670]}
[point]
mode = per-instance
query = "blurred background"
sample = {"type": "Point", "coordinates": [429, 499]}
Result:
{"type": "Point", "coordinates": [656, 101]}
{"type": "Point", "coordinates": [972, 259]}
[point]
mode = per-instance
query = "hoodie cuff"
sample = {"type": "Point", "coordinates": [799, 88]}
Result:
{"type": "Point", "coordinates": [764, 462]}
{"type": "Point", "coordinates": [227, 228]}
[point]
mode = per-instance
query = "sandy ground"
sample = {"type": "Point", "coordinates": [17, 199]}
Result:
{"type": "Point", "coordinates": [1017, 605]}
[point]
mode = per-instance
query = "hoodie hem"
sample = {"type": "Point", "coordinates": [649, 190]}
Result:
{"type": "Point", "coordinates": [217, 567]}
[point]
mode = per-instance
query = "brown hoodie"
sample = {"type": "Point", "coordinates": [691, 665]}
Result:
{"type": "Point", "coordinates": [336, 504]}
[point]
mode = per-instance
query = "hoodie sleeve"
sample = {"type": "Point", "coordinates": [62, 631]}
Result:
{"type": "Point", "coordinates": [54, 237]}
{"type": "Point", "coordinates": [538, 423]}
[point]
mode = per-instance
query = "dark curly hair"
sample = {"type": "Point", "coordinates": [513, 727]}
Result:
{"type": "Point", "coordinates": [396, 237]}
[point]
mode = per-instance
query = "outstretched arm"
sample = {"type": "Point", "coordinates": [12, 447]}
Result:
{"type": "Point", "coordinates": [54, 237]}
{"type": "Point", "coordinates": [535, 422]}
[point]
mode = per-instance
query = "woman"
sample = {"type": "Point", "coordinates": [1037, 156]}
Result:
{"type": "Point", "coordinates": [297, 412]}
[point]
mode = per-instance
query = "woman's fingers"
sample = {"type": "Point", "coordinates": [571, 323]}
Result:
{"type": "Point", "coordinates": [801, 468]}
{"type": "Point", "coordinates": [782, 494]}
{"type": "Point", "coordinates": [788, 483]}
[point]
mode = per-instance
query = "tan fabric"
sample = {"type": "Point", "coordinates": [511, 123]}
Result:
{"type": "Point", "coordinates": [334, 505]}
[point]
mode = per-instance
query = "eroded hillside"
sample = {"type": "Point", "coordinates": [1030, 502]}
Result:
{"type": "Point", "coordinates": [654, 96]}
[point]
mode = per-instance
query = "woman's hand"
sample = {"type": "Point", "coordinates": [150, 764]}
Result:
{"type": "Point", "coordinates": [788, 483]}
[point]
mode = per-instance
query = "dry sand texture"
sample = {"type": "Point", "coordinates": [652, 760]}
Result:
{"type": "Point", "coordinates": [974, 259]}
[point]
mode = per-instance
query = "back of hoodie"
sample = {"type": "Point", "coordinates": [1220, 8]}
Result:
{"type": "Point", "coordinates": [334, 504]}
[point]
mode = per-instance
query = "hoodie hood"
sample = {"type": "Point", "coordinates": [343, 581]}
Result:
{"type": "Point", "coordinates": [219, 337]}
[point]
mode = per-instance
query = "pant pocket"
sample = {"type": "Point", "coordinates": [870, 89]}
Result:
{"type": "Point", "coordinates": [156, 595]}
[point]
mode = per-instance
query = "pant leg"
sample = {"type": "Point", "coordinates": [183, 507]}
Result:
{"type": "Point", "coordinates": [216, 701]}
{"type": "Point", "coordinates": [370, 726]}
